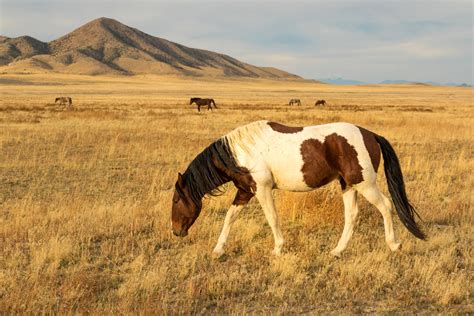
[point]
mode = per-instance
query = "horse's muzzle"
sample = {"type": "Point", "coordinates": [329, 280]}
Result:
{"type": "Point", "coordinates": [182, 233]}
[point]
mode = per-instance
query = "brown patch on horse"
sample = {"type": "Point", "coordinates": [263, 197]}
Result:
{"type": "Point", "coordinates": [324, 162]}
{"type": "Point", "coordinates": [277, 127]}
{"type": "Point", "coordinates": [242, 197]}
{"type": "Point", "coordinates": [243, 180]}
{"type": "Point", "coordinates": [343, 156]}
{"type": "Point", "coordinates": [372, 147]}
{"type": "Point", "coordinates": [316, 169]}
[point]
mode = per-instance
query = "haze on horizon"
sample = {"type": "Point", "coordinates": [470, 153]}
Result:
{"type": "Point", "coordinates": [369, 41]}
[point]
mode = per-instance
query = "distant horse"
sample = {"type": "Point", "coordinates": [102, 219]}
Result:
{"type": "Point", "coordinates": [64, 101]}
{"type": "Point", "coordinates": [263, 156]}
{"type": "Point", "coordinates": [320, 102]}
{"type": "Point", "coordinates": [294, 102]}
{"type": "Point", "coordinates": [200, 102]}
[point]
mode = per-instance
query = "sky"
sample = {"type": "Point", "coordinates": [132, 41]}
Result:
{"type": "Point", "coordinates": [371, 41]}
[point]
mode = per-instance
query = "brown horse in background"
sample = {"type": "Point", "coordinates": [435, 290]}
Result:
{"type": "Point", "coordinates": [295, 102]}
{"type": "Point", "coordinates": [200, 102]}
{"type": "Point", "coordinates": [64, 101]}
{"type": "Point", "coordinates": [320, 102]}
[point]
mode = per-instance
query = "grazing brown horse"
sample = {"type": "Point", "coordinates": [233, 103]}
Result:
{"type": "Point", "coordinates": [320, 102]}
{"type": "Point", "coordinates": [200, 102]}
{"type": "Point", "coordinates": [64, 101]}
{"type": "Point", "coordinates": [295, 101]}
{"type": "Point", "coordinates": [263, 156]}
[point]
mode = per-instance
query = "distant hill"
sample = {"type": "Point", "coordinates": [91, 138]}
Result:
{"type": "Point", "coordinates": [431, 83]}
{"type": "Point", "coordinates": [342, 81]}
{"type": "Point", "coordinates": [398, 82]}
{"type": "Point", "coordinates": [106, 46]}
{"type": "Point", "coordinates": [20, 47]}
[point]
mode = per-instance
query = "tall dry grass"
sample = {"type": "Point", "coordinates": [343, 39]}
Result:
{"type": "Point", "coordinates": [85, 201]}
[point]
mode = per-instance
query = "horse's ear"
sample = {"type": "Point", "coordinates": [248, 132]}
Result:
{"type": "Point", "coordinates": [180, 179]}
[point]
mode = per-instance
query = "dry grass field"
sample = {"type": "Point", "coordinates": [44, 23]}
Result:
{"type": "Point", "coordinates": [85, 200]}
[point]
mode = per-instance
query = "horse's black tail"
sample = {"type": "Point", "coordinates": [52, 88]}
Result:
{"type": "Point", "coordinates": [406, 212]}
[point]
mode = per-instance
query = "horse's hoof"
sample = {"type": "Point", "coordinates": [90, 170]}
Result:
{"type": "Point", "coordinates": [217, 253]}
{"type": "Point", "coordinates": [336, 253]}
{"type": "Point", "coordinates": [276, 252]}
{"type": "Point", "coordinates": [395, 246]}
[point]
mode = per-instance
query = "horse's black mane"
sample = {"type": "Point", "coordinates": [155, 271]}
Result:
{"type": "Point", "coordinates": [203, 177]}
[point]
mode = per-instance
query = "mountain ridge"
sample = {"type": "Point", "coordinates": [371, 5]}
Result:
{"type": "Point", "coordinates": [344, 81]}
{"type": "Point", "coordinates": [106, 46]}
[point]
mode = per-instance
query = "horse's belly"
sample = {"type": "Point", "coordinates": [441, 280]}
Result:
{"type": "Point", "coordinates": [293, 180]}
{"type": "Point", "coordinates": [289, 183]}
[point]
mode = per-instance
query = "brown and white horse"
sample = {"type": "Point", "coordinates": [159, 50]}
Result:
{"type": "Point", "coordinates": [263, 156]}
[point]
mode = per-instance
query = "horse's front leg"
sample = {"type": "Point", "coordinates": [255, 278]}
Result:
{"type": "Point", "coordinates": [265, 197]}
{"type": "Point", "coordinates": [241, 199]}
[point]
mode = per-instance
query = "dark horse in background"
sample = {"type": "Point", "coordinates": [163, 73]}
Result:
{"type": "Point", "coordinates": [320, 102]}
{"type": "Point", "coordinates": [200, 102]}
{"type": "Point", "coordinates": [64, 101]}
{"type": "Point", "coordinates": [295, 102]}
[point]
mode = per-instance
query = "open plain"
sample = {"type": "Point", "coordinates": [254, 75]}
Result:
{"type": "Point", "coordinates": [85, 200]}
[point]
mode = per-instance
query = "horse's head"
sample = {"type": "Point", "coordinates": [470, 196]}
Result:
{"type": "Point", "coordinates": [192, 100]}
{"type": "Point", "coordinates": [184, 210]}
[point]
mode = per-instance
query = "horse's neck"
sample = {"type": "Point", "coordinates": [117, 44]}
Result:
{"type": "Point", "coordinates": [211, 183]}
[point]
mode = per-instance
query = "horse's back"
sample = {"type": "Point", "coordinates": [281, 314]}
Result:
{"type": "Point", "coordinates": [302, 158]}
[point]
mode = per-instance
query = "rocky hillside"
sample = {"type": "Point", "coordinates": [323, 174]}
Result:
{"type": "Point", "coordinates": [106, 46]}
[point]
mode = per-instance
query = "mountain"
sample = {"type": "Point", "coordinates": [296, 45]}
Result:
{"type": "Point", "coordinates": [427, 83]}
{"type": "Point", "coordinates": [20, 47]}
{"type": "Point", "coordinates": [398, 82]}
{"type": "Point", "coordinates": [342, 81]}
{"type": "Point", "coordinates": [106, 46]}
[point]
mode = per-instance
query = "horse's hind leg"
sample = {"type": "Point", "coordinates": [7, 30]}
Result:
{"type": "Point", "coordinates": [241, 199]}
{"type": "Point", "coordinates": [383, 204]}
{"type": "Point", "coordinates": [350, 214]}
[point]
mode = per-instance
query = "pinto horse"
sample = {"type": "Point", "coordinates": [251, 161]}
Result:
{"type": "Point", "coordinates": [263, 156]}
{"type": "Point", "coordinates": [200, 102]}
